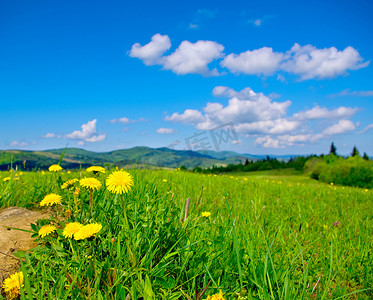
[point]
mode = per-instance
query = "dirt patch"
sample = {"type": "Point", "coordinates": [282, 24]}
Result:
{"type": "Point", "coordinates": [12, 240]}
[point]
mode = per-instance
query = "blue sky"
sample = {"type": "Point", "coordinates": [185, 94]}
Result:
{"type": "Point", "coordinates": [277, 77]}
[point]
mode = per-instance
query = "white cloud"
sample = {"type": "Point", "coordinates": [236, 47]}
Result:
{"type": "Point", "coordinates": [188, 58]}
{"type": "Point", "coordinates": [348, 92]}
{"type": "Point", "coordinates": [258, 22]}
{"type": "Point", "coordinates": [309, 62]}
{"type": "Point", "coordinates": [123, 120]}
{"type": "Point", "coordinates": [370, 126]}
{"type": "Point", "coordinates": [278, 126]}
{"type": "Point", "coordinates": [88, 133]}
{"type": "Point", "coordinates": [261, 61]}
{"type": "Point", "coordinates": [268, 142]}
{"type": "Point", "coordinates": [251, 112]}
{"type": "Point", "coordinates": [282, 141]}
{"type": "Point", "coordinates": [52, 135]}
{"type": "Point", "coordinates": [96, 138]}
{"type": "Point", "coordinates": [255, 107]}
{"type": "Point", "coordinates": [342, 126]}
{"type": "Point", "coordinates": [152, 52]}
{"type": "Point", "coordinates": [193, 58]}
{"type": "Point", "coordinates": [291, 140]}
{"type": "Point", "coordinates": [256, 115]}
{"type": "Point", "coordinates": [18, 144]}
{"type": "Point", "coordinates": [224, 91]}
{"type": "Point", "coordinates": [318, 112]}
{"type": "Point", "coordinates": [166, 130]}
{"type": "Point", "coordinates": [190, 116]}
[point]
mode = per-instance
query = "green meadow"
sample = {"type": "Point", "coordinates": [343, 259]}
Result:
{"type": "Point", "coordinates": [270, 235]}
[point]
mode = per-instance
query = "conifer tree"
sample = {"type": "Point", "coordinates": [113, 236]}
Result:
{"type": "Point", "coordinates": [365, 156]}
{"type": "Point", "coordinates": [333, 149]}
{"type": "Point", "coordinates": [355, 152]}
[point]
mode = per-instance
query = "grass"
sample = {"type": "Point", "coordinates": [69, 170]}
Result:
{"type": "Point", "coordinates": [270, 236]}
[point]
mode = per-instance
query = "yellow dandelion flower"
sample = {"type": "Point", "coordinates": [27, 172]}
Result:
{"type": "Point", "coordinates": [50, 200]}
{"type": "Point", "coordinates": [366, 190]}
{"type": "Point", "coordinates": [96, 169]}
{"type": "Point", "coordinates": [46, 229]}
{"type": "Point", "coordinates": [87, 231]}
{"type": "Point", "coordinates": [42, 173]}
{"type": "Point", "coordinates": [6, 179]}
{"type": "Point", "coordinates": [12, 285]}
{"type": "Point", "coordinates": [216, 296]}
{"type": "Point", "coordinates": [331, 183]}
{"type": "Point", "coordinates": [55, 168]}
{"type": "Point", "coordinates": [119, 182]}
{"type": "Point", "coordinates": [68, 172]}
{"type": "Point", "coordinates": [77, 191]}
{"type": "Point", "coordinates": [164, 180]}
{"type": "Point", "coordinates": [69, 183]}
{"type": "Point", "coordinates": [71, 229]}
{"type": "Point", "coordinates": [90, 183]}
{"type": "Point", "coordinates": [206, 214]}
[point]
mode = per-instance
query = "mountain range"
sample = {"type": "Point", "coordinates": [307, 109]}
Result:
{"type": "Point", "coordinates": [136, 157]}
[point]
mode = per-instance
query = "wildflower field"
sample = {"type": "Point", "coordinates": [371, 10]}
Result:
{"type": "Point", "coordinates": [157, 234]}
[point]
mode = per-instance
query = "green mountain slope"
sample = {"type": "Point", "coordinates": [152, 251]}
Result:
{"type": "Point", "coordinates": [161, 157]}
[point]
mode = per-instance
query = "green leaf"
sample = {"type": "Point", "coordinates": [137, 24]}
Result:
{"type": "Point", "coordinates": [148, 291]}
{"type": "Point", "coordinates": [167, 282]}
{"type": "Point", "coordinates": [20, 254]}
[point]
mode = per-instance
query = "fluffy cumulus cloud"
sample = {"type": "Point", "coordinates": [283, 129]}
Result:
{"type": "Point", "coordinates": [342, 126]}
{"type": "Point", "coordinates": [277, 126]}
{"type": "Point", "coordinates": [87, 134]}
{"type": "Point", "coordinates": [306, 62]}
{"type": "Point", "coordinates": [318, 112]}
{"type": "Point", "coordinates": [190, 116]}
{"type": "Point", "coordinates": [257, 115]}
{"type": "Point", "coordinates": [186, 59]}
{"type": "Point", "coordinates": [166, 130]}
{"type": "Point", "coordinates": [282, 141]}
{"type": "Point", "coordinates": [268, 142]}
{"type": "Point", "coordinates": [152, 52]}
{"type": "Point", "coordinates": [251, 112]}
{"type": "Point", "coordinates": [227, 92]}
{"type": "Point", "coordinates": [309, 62]}
{"type": "Point", "coordinates": [193, 58]}
{"type": "Point", "coordinates": [262, 61]}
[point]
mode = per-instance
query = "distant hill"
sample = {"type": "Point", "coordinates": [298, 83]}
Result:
{"type": "Point", "coordinates": [141, 156]}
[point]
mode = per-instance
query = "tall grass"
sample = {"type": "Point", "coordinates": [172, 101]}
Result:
{"type": "Point", "coordinates": [267, 238]}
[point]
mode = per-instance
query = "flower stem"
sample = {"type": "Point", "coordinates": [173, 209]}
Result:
{"type": "Point", "coordinates": [125, 213]}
